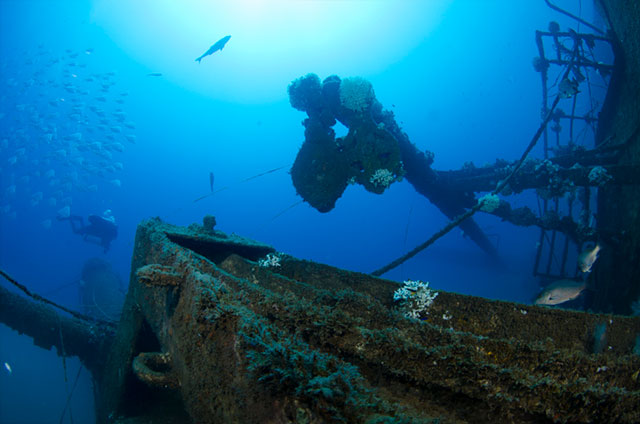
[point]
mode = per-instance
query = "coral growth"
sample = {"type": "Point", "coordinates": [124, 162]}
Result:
{"type": "Point", "coordinates": [356, 94]}
{"type": "Point", "coordinates": [271, 260]}
{"type": "Point", "coordinates": [490, 203]}
{"type": "Point", "coordinates": [599, 176]}
{"type": "Point", "coordinates": [368, 155]}
{"type": "Point", "coordinates": [381, 178]}
{"type": "Point", "coordinates": [415, 298]}
{"type": "Point", "coordinates": [305, 92]}
{"type": "Point", "coordinates": [288, 365]}
{"type": "Point", "coordinates": [556, 185]}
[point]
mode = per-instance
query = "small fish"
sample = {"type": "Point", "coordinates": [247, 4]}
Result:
{"type": "Point", "coordinates": [559, 292]}
{"type": "Point", "coordinates": [117, 147]}
{"type": "Point", "coordinates": [8, 367]}
{"type": "Point", "coordinates": [154, 74]}
{"type": "Point", "coordinates": [64, 212]}
{"type": "Point", "coordinates": [568, 88]}
{"type": "Point", "coordinates": [587, 258]}
{"type": "Point", "coordinates": [211, 181]}
{"type": "Point", "coordinates": [218, 45]}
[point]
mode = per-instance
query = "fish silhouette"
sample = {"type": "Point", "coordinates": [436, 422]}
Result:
{"type": "Point", "coordinates": [219, 45]}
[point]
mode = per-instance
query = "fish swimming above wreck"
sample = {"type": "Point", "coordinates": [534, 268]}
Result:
{"type": "Point", "coordinates": [568, 88]}
{"type": "Point", "coordinates": [587, 258]}
{"type": "Point", "coordinates": [560, 292]}
{"type": "Point", "coordinates": [62, 128]}
{"type": "Point", "coordinates": [218, 45]}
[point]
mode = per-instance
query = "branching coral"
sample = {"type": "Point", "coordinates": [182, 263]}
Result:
{"type": "Point", "coordinates": [271, 260]}
{"type": "Point", "coordinates": [415, 298]}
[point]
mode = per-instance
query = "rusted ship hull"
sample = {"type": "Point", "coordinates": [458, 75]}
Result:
{"type": "Point", "coordinates": [209, 336]}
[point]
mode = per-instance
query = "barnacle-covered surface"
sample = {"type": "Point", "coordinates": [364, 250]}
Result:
{"type": "Point", "coordinates": [326, 164]}
{"type": "Point", "coordinates": [308, 343]}
{"type": "Point", "coordinates": [375, 152]}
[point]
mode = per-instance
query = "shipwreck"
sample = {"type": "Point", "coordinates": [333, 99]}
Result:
{"type": "Point", "coordinates": [216, 328]}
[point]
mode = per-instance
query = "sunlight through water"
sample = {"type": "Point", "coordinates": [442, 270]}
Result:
{"type": "Point", "coordinates": [272, 42]}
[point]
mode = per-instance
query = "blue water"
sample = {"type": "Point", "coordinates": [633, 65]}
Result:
{"type": "Point", "coordinates": [458, 76]}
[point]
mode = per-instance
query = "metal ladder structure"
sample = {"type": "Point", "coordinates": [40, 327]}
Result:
{"type": "Point", "coordinates": [570, 131]}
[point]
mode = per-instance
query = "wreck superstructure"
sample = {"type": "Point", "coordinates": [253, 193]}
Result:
{"type": "Point", "coordinates": [209, 334]}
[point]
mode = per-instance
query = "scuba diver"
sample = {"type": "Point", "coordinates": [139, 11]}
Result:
{"type": "Point", "coordinates": [101, 230]}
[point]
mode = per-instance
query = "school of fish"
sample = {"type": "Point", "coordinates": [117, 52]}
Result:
{"type": "Point", "coordinates": [63, 131]}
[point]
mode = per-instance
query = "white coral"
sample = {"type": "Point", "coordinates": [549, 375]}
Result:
{"type": "Point", "coordinates": [415, 298]}
{"type": "Point", "coordinates": [271, 260]}
{"type": "Point", "coordinates": [356, 93]}
{"type": "Point", "coordinates": [381, 178]}
{"type": "Point", "coordinates": [489, 203]}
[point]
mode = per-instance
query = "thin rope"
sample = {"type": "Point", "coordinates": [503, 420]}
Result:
{"type": "Point", "coordinates": [64, 367]}
{"type": "Point", "coordinates": [73, 389]}
{"type": "Point", "coordinates": [240, 182]}
{"type": "Point", "coordinates": [47, 301]}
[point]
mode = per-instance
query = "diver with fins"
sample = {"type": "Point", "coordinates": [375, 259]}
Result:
{"type": "Point", "coordinates": [101, 230]}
